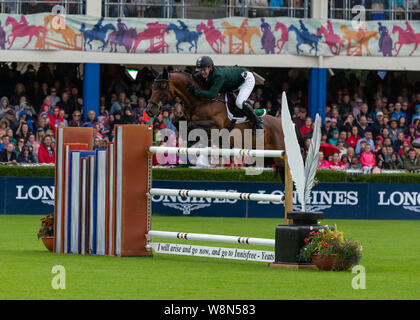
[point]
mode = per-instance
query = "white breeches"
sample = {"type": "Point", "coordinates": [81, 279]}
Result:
{"type": "Point", "coordinates": [245, 89]}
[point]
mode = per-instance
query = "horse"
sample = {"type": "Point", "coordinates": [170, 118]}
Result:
{"type": "Point", "coordinates": [305, 38]}
{"type": "Point", "coordinates": [184, 35]}
{"type": "Point", "coordinates": [243, 33]}
{"type": "Point", "coordinates": [128, 38]}
{"type": "Point", "coordinates": [204, 113]}
{"type": "Point", "coordinates": [91, 35]}
{"type": "Point", "coordinates": [213, 36]}
{"type": "Point", "coordinates": [405, 37]}
{"type": "Point", "coordinates": [284, 35]}
{"type": "Point", "coordinates": [333, 40]}
{"type": "Point", "coordinates": [68, 34]}
{"type": "Point", "coordinates": [22, 31]}
{"type": "Point", "coordinates": [155, 33]}
{"type": "Point", "coordinates": [361, 37]}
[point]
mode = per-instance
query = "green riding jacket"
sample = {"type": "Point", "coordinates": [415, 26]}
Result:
{"type": "Point", "coordinates": [227, 78]}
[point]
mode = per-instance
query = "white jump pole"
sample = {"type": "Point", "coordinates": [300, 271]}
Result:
{"type": "Point", "coordinates": [217, 195]}
{"type": "Point", "coordinates": [211, 237]}
{"type": "Point", "coordinates": [218, 152]}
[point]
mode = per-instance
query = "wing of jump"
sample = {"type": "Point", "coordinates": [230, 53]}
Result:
{"type": "Point", "coordinates": [294, 157]}
{"type": "Point", "coordinates": [312, 157]}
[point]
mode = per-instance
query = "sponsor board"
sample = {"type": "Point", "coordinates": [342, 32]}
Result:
{"type": "Point", "coordinates": [24, 195]}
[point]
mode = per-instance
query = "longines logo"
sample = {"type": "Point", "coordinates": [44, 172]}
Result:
{"type": "Point", "coordinates": [318, 201]}
{"type": "Point", "coordinates": [43, 193]}
{"type": "Point", "coordinates": [408, 200]}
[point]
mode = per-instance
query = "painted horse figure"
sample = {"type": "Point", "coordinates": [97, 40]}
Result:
{"type": "Point", "coordinates": [183, 34]}
{"type": "Point", "coordinates": [205, 113]}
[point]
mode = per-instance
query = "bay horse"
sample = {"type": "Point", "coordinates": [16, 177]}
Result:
{"type": "Point", "coordinates": [204, 113]}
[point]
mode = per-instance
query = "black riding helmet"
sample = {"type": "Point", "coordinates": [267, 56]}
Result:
{"type": "Point", "coordinates": [204, 62]}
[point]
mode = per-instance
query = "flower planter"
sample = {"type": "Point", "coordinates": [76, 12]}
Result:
{"type": "Point", "coordinates": [48, 242]}
{"type": "Point", "coordinates": [323, 263]}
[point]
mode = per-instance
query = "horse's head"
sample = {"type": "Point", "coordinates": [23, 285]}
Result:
{"type": "Point", "coordinates": [161, 93]}
{"type": "Point", "coordinates": [171, 26]}
{"type": "Point", "coordinates": [201, 27]}
{"type": "Point", "coordinates": [10, 20]}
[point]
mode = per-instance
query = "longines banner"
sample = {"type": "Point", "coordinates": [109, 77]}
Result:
{"type": "Point", "coordinates": [336, 200]}
{"type": "Point", "coordinates": [235, 35]}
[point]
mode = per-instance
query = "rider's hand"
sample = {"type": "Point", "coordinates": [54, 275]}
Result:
{"type": "Point", "coordinates": [191, 87]}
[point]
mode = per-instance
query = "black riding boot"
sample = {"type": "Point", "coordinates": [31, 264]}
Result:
{"type": "Point", "coordinates": [250, 114]}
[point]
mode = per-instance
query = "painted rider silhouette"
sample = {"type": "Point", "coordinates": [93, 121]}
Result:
{"type": "Point", "coordinates": [265, 27]}
{"type": "Point", "coordinates": [410, 32]}
{"type": "Point", "coordinates": [183, 25]}
{"type": "Point", "coordinates": [303, 28]}
{"type": "Point", "coordinates": [23, 23]}
{"type": "Point", "coordinates": [98, 25]}
{"type": "Point", "coordinates": [122, 28]}
{"type": "Point", "coordinates": [330, 26]}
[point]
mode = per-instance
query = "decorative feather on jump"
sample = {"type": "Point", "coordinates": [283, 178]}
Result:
{"type": "Point", "coordinates": [303, 175]}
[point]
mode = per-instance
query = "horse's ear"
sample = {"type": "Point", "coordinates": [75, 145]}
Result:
{"type": "Point", "coordinates": [165, 73]}
{"type": "Point", "coordinates": [154, 72]}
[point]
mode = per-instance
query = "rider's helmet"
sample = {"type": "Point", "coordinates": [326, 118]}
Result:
{"type": "Point", "coordinates": [204, 62]}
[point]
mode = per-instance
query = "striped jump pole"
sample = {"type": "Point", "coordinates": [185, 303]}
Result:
{"type": "Point", "coordinates": [217, 195]}
{"type": "Point", "coordinates": [211, 237]}
{"type": "Point", "coordinates": [218, 152]}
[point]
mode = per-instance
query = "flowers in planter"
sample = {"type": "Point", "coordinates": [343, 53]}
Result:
{"type": "Point", "coordinates": [47, 226]}
{"type": "Point", "coordinates": [331, 241]}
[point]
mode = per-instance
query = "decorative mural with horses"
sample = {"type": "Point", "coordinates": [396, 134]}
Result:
{"type": "Point", "coordinates": [237, 35]}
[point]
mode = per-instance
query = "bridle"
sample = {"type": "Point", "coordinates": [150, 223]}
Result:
{"type": "Point", "coordinates": [157, 85]}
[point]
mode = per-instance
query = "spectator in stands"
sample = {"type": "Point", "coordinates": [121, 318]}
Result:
{"type": "Point", "coordinates": [345, 107]}
{"type": "Point", "coordinates": [345, 160]}
{"type": "Point", "coordinates": [363, 125]}
{"type": "Point", "coordinates": [368, 139]}
{"type": "Point", "coordinates": [277, 8]}
{"type": "Point", "coordinates": [4, 124]}
{"type": "Point", "coordinates": [46, 152]}
{"type": "Point", "coordinates": [76, 120]}
{"type": "Point", "coordinates": [8, 155]}
{"type": "Point", "coordinates": [410, 133]}
{"type": "Point", "coordinates": [117, 106]}
{"type": "Point", "coordinates": [10, 117]}
{"type": "Point", "coordinates": [305, 129]}
{"type": "Point", "coordinates": [9, 133]}
{"type": "Point", "coordinates": [334, 137]}
{"type": "Point", "coordinates": [55, 119]}
{"type": "Point", "coordinates": [23, 131]}
{"type": "Point", "coordinates": [367, 159]}
{"type": "Point", "coordinates": [354, 137]}
{"type": "Point", "coordinates": [335, 163]}
{"type": "Point", "coordinates": [91, 119]}
{"type": "Point", "coordinates": [299, 122]}
{"type": "Point", "coordinates": [5, 140]}
{"type": "Point", "coordinates": [393, 129]}
{"type": "Point", "coordinates": [322, 163]}
{"type": "Point", "coordinates": [31, 141]}
{"type": "Point", "coordinates": [394, 163]}
{"type": "Point", "coordinates": [26, 156]}
{"type": "Point", "coordinates": [398, 112]}
{"type": "Point", "coordinates": [412, 162]}
{"type": "Point", "coordinates": [357, 107]}
{"type": "Point", "coordinates": [65, 104]}
{"type": "Point", "coordinates": [379, 142]}
{"type": "Point", "coordinates": [417, 114]}
{"type": "Point", "coordinates": [348, 123]}
{"type": "Point", "coordinates": [355, 163]}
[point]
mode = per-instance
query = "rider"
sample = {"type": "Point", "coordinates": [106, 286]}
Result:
{"type": "Point", "coordinates": [98, 25]}
{"type": "Point", "coordinates": [122, 28]}
{"type": "Point", "coordinates": [229, 79]}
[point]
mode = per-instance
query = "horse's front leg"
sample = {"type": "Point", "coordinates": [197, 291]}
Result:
{"type": "Point", "coordinates": [30, 39]}
{"type": "Point", "coordinates": [13, 40]}
{"type": "Point", "coordinates": [415, 48]}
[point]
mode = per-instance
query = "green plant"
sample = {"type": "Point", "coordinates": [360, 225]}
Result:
{"type": "Point", "coordinates": [331, 241]}
{"type": "Point", "coordinates": [47, 226]}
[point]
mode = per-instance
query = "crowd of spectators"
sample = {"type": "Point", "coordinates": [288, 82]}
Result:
{"type": "Point", "coordinates": [369, 127]}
